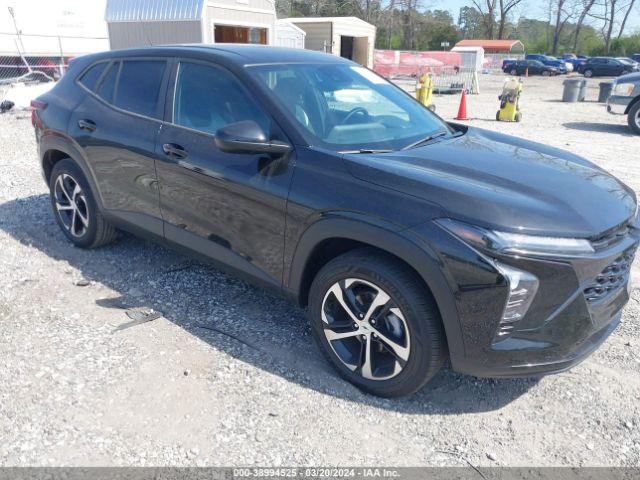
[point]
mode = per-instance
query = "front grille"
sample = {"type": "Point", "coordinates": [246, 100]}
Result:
{"type": "Point", "coordinates": [611, 278]}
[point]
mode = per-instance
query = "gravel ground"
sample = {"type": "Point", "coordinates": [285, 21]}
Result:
{"type": "Point", "coordinates": [229, 375]}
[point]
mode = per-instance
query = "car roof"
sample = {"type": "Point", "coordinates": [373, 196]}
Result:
{"type": "Point", "coordinates": [240, 54]}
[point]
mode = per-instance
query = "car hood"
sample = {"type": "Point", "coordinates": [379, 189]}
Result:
{"type": "Point", "coordinates": [502, 182]}
{"type": "Point", "coordinates": [629, 78]}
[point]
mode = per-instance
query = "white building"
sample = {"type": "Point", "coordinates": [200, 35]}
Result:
{"type": "Point", "coordinates": [347, 37]}
{"type": "Point", "coordinates": [52, 28]}
{"type": "Point", "coordinates": [288, 35]}
{"type": "Point", "coordinates": [159, 22]}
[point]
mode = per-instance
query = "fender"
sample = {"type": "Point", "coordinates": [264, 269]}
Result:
{"type": "Point", "coordinates": [398, 243]}
{"type": "Point", "coordinates": [53, 140]}
{"type": "Point", "coordinates": [631, 104]}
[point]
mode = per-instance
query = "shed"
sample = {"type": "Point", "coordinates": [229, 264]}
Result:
{"type": "Point", "coordinates": [471, 57]}
{"type": "Point", "coordinates": [288, 35]}
{"type": "Point", "coordinates": [135, 23]}
{"type": "Point", "coordinates": [495, 46]}
{"type": "Point", "coordinates": [348, 37]}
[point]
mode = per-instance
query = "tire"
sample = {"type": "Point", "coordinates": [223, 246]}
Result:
{"type": "Point", "coordinates": [432, 107]}
{"type": "Point", "coordinates": [545, 73]}
{"type": "Point", "coordinates": [518, 117]}
{"type": "Point", "coordinates": [513, 72]}
{"type": "Point", "coordinates": [405, 335]}
{"type": "Point", "coordinates": [633, 117]}
{"type": "Point", "coordinates": [498, 115]}
{"type": "Point", "coordinates": [588, 73]}
{"type": "Point", "coordinates": [75, 209]}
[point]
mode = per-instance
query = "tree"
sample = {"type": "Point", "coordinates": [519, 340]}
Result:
{"type": "Point", "coordinates": [505, 7]}
{"type": "Point", "coordinates": [586, 7]}
{"type": "Point", "coordinates": [487, 11]}
{"type": "Point", "coordinates": [564, 11]}
{"type": "Point", "coordinates": [470, 22]}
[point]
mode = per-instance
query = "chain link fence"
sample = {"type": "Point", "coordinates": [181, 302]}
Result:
{"type": "Point", "coordinates": [446, 78]}
{"type": "Point", "coordinates": [41, 58]}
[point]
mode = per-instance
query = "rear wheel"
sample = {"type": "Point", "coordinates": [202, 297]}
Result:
{"type": "Point", "coordinates": [545, 73]}
{"type": "Point", "coordinates": [633, 118]}
{"type": "Point", "coordinates": [75, 208]}
{"type": "Point", "coordinates": [513, 71]}
{"type": "Point", "coordinates": [376, 323]}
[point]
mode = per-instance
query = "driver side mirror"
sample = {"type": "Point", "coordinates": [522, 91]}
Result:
{"type": "Point", "coordinates": [248, 137]}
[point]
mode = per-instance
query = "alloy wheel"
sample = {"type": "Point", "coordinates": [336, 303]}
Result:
{"type": "Point", "coordinates": [365, 328]}
{"type": "Point", "coordinates": [71, 205]}
{"type": "Point", "coordinates": [637, 118]}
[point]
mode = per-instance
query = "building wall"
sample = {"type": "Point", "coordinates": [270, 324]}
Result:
{"type": "Point", "coordinates": [318, 35]}
{"type": "Point", "coordinates": [140, 34]}
{"type": "Point", "coordinates": [355, 29]}
{"type": "Point", "coordinates": [256, 13]}
{"type": "Point", "coordinates": [287, 35]}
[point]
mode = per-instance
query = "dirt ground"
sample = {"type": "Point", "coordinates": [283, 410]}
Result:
{"type": "Point", "coordinates": [229, 375]}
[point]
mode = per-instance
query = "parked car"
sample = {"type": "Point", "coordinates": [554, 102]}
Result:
{"type": "Point", "coordinates": [407, 238]}
{"type": "Point", "coordinates": [625, 99]}
{"type": "Point", "coordinates": [629, 61]}
{"type": "Point", "coordinates": [549, 61]}
{"type": "Point", "coordinates": [573, 59]}
{"type": "Point", "coordinates": [534, 67]}
{"type": "Point", "coordinates": [604, 66]}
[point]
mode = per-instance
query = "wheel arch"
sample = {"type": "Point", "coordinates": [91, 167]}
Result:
{"type": "Point", "coordinates": [328, 238]}
{"type": "Point", "coordinates": [54, 148]}
{"type": "Point", "coordinates": [632, 104]}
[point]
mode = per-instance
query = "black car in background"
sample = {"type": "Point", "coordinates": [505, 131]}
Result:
{"type": "Point", "coordinates": [407, 238]}
{"type": "Point", "coordinates": [605, 66]}
{"type": "Point", "coordinates": [534, 67]}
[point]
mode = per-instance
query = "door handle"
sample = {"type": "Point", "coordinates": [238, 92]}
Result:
{"type": "Point", "coordinates": [173, 150]}
{"type": "Point", "coordinates": [88, 125]}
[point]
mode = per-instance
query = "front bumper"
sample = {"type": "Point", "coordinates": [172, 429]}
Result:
{"type": "Point", "coordinates": [617, 105]}
{"type": "Point", "coordinates": [565, 323]}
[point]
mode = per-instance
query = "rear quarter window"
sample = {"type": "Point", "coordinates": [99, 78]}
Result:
{"type": "Point", "coordinates": [108, 85]}
{"type": "Point", "coordinates": [91, 76]}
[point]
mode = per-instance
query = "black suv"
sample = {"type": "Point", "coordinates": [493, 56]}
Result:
{"type": "Point", "coordinates": [409, 239]}
{"type": "Point", "coordinates": [532, 67]}
{"type": "Point", "coordinates": [598, 66]}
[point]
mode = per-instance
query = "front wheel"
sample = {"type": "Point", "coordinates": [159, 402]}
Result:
{"type": "Point", "coordinates": [513, 72]}
{"type": "Point", "coordinates": [376, 323]}
{"type": "Point", "coordinates": [546, 73]}
{"type": "Point", "coordinates": [75, 208]}
{"type": "Point", "coordinates": [633, 118]}
{"type": "Point", "coordinates": [588, 73]}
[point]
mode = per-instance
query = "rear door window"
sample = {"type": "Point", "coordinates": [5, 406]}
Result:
{"type": "Point", "coordinates": [139, 86]}
{"type": "Point", "coordinates": [108, 85]}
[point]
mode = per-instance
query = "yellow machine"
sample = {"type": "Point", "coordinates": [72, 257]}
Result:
{"type": "Point", "coordinates": [424, 91]}
{"type": "Point", "coordinates": [510, 101]}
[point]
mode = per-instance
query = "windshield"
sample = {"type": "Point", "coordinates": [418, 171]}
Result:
{"type": "Point", "coordinates": [348, 107]}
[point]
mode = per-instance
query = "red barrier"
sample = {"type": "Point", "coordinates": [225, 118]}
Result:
{"type": "Point", "coordinates": [390, 63]}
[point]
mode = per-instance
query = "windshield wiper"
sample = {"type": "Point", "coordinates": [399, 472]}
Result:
{"type": "Point", "coordinates": [425, 140]}
{"type": "Point", "coordinates": [366, 150]}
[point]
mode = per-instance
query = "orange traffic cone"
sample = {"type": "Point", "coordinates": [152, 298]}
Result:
{"type": "Point", "coordinates": [462, 110]}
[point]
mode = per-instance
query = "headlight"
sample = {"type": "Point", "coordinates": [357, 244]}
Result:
{"type": "Point", "coordinates": [516, 243]}
{"type": "Point", "coordinates": [623, 89]}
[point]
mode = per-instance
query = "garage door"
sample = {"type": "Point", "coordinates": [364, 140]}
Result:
{"type": "Point", "coordinates": [232, 34]}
